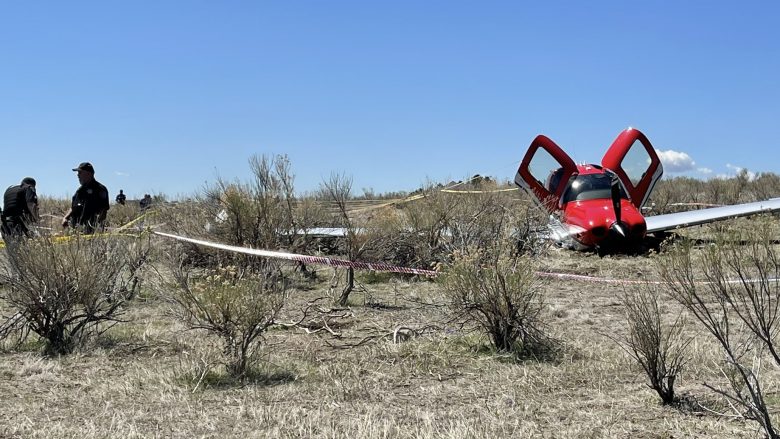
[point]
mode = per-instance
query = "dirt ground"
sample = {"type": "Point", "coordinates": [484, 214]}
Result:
{"type": "Point", "coordinates": [150, 378]}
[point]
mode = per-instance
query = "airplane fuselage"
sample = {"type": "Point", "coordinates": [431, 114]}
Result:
{"type": "Point", "coordinates": [587, 209]}
{"type": "Point", "coordinates": [599, 206]}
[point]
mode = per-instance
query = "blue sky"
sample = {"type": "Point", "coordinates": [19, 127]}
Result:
{"type": "Point", "coordinates": [164, 96]}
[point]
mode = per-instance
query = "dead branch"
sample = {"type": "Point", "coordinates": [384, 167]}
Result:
{"type": "Point", "coordinates": [397, 335]}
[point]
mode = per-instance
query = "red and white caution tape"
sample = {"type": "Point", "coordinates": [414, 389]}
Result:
{"type": "Point", "coordinates": [378, 266]}
{"type": "Point", "coordinates": [319, 260]}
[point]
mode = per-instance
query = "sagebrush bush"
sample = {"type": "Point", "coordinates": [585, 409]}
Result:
{"type": "Point", "coordinates": [54, 206]}
{"type": "Point", "coordinates": [502, 295]}
{"type": "Point", "coordinates": [368, 237]}
{"type": "Point", "coordinates": [68, 289]}
{"type": "Point", "coordinates": [737, 300]}
{"type": "Point", "coordinates": [233, 303]}
{"type": "Point", "coordinates": [428, 230]}
{"type": "Point", "coordinates": [119, 215]}
{"type": "Point", "coordinates": [659, 348]}
{"type": "Point", "coordinates": [263, 212]}
{"type": "Point", "coordinates": [422, 229]}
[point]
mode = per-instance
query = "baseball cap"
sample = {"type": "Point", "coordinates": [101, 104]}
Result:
{"type": "Point", "coordinates": [85, 166]}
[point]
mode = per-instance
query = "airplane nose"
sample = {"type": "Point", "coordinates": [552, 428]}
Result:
{"type": "Point", "coordinates": [619, 228]}
{"type": "Point", "coordinates": [621, 236]}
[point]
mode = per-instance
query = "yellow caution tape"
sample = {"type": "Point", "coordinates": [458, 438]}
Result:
{"type": "Point", "coordinates": [135, 221]}
{"type": "Point", "coordinates": [390, 203]}
{"type": "Point", "coordinates": [59, 239]}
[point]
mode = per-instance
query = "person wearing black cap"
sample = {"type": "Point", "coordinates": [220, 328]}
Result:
{"type": "Point", "coordinates": [89, 206]}
{"type": "Point", "coordinates": [20, 209]}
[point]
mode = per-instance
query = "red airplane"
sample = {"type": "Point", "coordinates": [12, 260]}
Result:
{"type": "Point", "coordinates": [599, 206]}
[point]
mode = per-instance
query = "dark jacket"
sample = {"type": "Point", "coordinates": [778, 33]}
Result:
{"type": "Point", "coordinates": [16, 209]}
{"type": "Point", "coordinates": [89, 201]}
{"type": "Point", "coordinates": [16, 201]}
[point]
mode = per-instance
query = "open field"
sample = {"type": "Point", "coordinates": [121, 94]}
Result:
{"type": "Point", "coordinates": [391, 363]}
{"type": "Point", "coordinates": [147, 377]}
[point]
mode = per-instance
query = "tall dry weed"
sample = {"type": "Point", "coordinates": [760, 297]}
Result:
{"type": "Point", "coordinates": [659, 348]}
{"type": "Point", "coordinates": [502, 295]}
{"type": "Point", "coordinates": [263, 212]}
{"type": "Point", "coordinates": [67, 290]}
{"type": "Point", "coordinates": [368, 236]}
{"type": "Point", "coordinates": [234, 303]}
{"type": "Point", "coordinates": [733, 289]}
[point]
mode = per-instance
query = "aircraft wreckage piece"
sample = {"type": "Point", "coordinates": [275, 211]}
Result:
{"type": "Point", "coordinates": [600, 206]}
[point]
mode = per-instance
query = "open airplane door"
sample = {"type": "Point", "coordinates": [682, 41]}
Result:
{"type": "Point", "coordinates": [545, 172]}
{"type": "Point", "coordinates": [634, 160]}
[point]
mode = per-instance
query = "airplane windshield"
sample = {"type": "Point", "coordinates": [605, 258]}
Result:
{"type": "Point", "coordinates": [591, 187]}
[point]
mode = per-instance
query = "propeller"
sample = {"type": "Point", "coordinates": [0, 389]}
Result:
{"type": "Point", "coordinates": [617, 225]}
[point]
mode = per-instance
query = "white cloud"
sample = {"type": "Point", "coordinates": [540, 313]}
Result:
{"type": "Point", "coordinates": [676, 161]}
{"type": "Point", "coordinates": [739, 170]}
{"type": "Point", "coordinates": [704, 170]}
{"type": "Point", "coordinates": [121, 174]}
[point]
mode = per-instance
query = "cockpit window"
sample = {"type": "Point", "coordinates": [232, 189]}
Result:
{"type": "Point", "coordinates": [545, 169]}
{"type": "Point", "coordinates": [591, 187]}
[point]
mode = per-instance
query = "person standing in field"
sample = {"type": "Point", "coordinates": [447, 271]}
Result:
{"type": "Point", "coordinates": [145, 202]}
{"type": "Point", "coordinates": [89, 206]}
{"type": "Point", "coordinates": [20, 209]}
{"type": "Point", "coordinates": [120, 198]}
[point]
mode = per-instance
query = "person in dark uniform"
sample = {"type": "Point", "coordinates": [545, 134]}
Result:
{"type": "Point", "coordinates": [145, 202]}
{"type": "Point", "coordinates": [89, 206]}
{"type": "Point", "coordinates": [121, 198]}
{"type": "Point", "coordinates": [20, 209]}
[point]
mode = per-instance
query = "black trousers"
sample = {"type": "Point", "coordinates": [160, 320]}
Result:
{"type": "Point", "coordinates": [14, 228]}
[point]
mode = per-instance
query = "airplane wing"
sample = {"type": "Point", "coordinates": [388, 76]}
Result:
{"type": "Point", "coordinates": [337, 232]}
{"type": "Point", "coordinates": [669, 221]}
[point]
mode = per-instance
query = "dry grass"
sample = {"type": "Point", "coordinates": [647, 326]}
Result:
{"type": "Point", "coordinates": [151, 377]}
{"type": "Point", "coordinates": [146, 378]}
